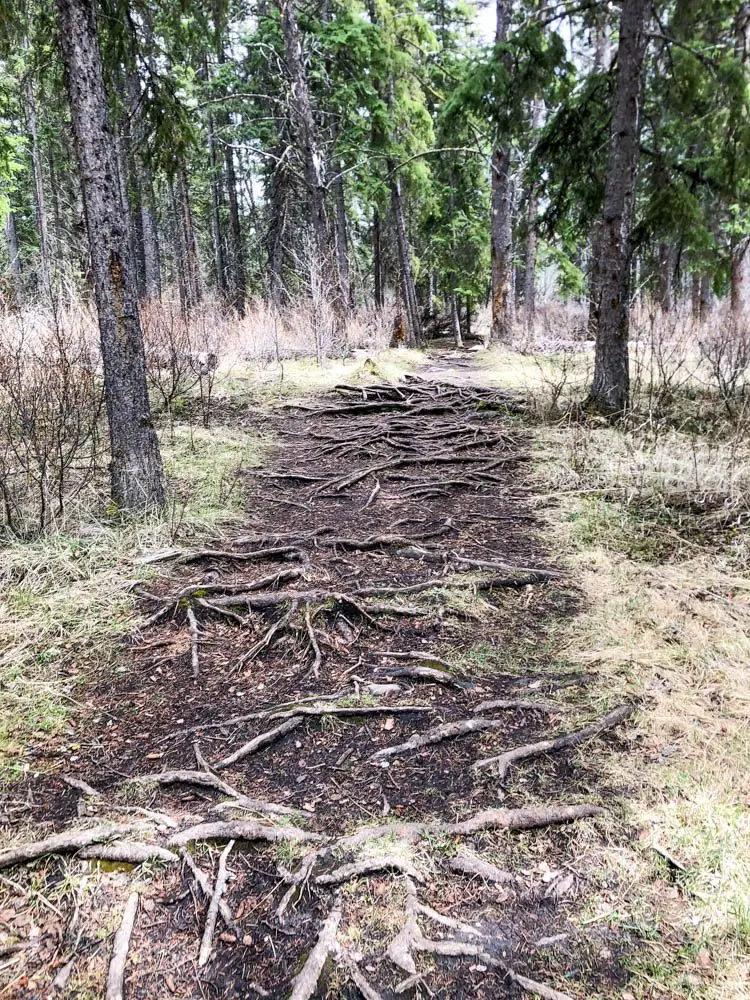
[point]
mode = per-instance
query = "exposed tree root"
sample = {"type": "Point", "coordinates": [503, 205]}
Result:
{"type": "Point", "coordinates": [469, 864]}
{"type": "Point", "coordinates": [424, 673]}
{"type": "Point", "coordinates": [128, 852]}
{"type": "Point", "coordinates": [313, 641]}
{"type": "Point", "coordinates": [248, 829]}
{"type": "Point", "coordinates": [194, 640]}
{"type": "Point", "coordinates": [299, 878]}
{"type": "Point", "coordinates": [503, 761]}
{"type": "Point", "coordinates": [367, 866]}
{"type": "Point", "coordinates": [116, 974]}
{"type": "Point", "coordinates": [258, 806]}
{"type": "Point", "coordinates": [265, 641]}
{"type": "Point", "coordinates": [315, 710]}
{"type": "Point", "coordinates": [446, 731]}
{"type": "Point", "coordinates": [213, 908]}
{"type": "Point", "coordinates": [258, 555]}
{"type": "Point", "coordinates": [306, 982]}
{"type": "Point", "coordinates": [202, 778]}
{"type": "Point", "coordinates": [357, 977]}
{"type": "Point", "coordinates": [490, 819]}
{"type": "Point", "coordinates": [526, 704]}
{"type": "Point", "coordinates": [62, 843]}
{"type": "Point", "coordinates": [204, 883]}
{"type": "Point", "coordinates": [258, 742]}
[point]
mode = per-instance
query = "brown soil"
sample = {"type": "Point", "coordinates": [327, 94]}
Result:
{"type": "Point", "coordinates": [501, 641]}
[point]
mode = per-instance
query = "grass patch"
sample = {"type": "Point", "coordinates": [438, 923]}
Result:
{"type": "Point", "coordinates": [651, 520]}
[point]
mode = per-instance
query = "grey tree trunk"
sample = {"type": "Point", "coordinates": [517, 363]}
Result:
{"type": "Point", "coordinates": [501, 229]}
{"type": "Point", "coordinates": [412, 319]}
{"type": "Point", "coordinates": [14, 258]}
{"type": "Point", "coordinates": [190, 278]}
{"type": "Point", "coordinates": [37, 175]}
{"type": "Point", "coordinates": [321, 271]}
{"type": "Point", "coordinates": [136, 469]}
{"type": "Point", "coordinates": [377, 261]}
{"type": "Point", "coordinates": [238, 276]}
{"type": "Point", "coordinates": [150, 231]}
{"type": "Point", "coordinates": [529, 274]}
{"type": "Point", "coordinates": [610, 306]}
{"type": "Point", "coordinates": [217, 238]}
{"type": "Point", "coordinates": [342, 242]}
{"type": "Point", "coordinates": [666, 266]}
{"type": "Point", "coordinates": [740, 275]}
{"type": "Point", "coordinates": [455, 321]}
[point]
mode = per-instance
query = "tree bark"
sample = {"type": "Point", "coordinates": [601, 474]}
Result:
{"type": "Point", "coordinates": [501, 234]}
{"type": "Point", "coordinates": [14, 258]}
{"type": "Point", "coordinates": [238, 276]}
{"type": "Point", "coordinates": [190, 278]}
{"type": "Point", "coordinates": [409, 302]}
{"type": "Point", "coordinates": [136, 470]}
{"type": "Point", "coordinates": [37, 176]}
{"type": "Point", "coordinates": [666, 265]}
{"type": "Point", "coordinates": [740, 273]}
{"type": "Point", "coordinates": [610, 306]}
{"type": "Point", "coordinates": [342, 243]}
{"type": "Point", "coordinates": [455, 322]}
{"type": "Point", "coordinates": [313, 161]}
{"type": "Point", "coordinates": [220, 266]}
{"type": "Point", "coordinates": [529, 273]}
{"type": "Point", "coordinates": [377, 261]}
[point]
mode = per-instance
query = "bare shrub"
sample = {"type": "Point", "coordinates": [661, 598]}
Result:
{"type": "Point", "coordinates": [51, 404]}
{"type": "Point", "coordinates": [664, 356]}
{"type": "Point", "coordinates": [725, 349]}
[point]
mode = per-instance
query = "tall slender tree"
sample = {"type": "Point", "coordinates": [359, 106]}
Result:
{"type": "Point", "coordinates": [137, 479]}
{"type": "Point", "coordinates": [610, 303]}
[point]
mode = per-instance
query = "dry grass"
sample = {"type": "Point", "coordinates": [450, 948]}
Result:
{"type": "Point", "coordinates": [651, 519]}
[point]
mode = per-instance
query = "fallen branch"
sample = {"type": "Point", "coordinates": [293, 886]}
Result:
{"type": "Point", "coordinates": [305, 984]}
{"type": "Point", "coordinates": [258, 742]}
{"type": "Point", "coordinates": [240, 830]}
{"type": "Point", "coordinates": [446, 731]}
{"type": "Point", "coordinates": [116, 974]}
{"type": "Point", "coordinates": [213, 909]}
{"type": "Point", "coordinates": [503, 761]}
{"type": "Point", "coordinates": [61, 843]}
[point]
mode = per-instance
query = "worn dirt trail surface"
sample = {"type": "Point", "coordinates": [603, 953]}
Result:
{"type": "Point", "coordinates": [330, 691]}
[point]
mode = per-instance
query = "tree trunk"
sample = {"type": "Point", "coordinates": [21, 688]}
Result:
{"type": "Point", "coordinates": [740, 275]}
{"type": "Point", "coordinates": [313, 162]}
{"type": "Point", "coordinates": [342, 243]}
{"type": "Point", "coordinates": [377, 260]}
{"type": "Point", "coordinates": [149, 230]}
{"type": "Point", "coordinates": [238, 276]}
{"type": "Point", "coordinates": [220, 265]}
{"type": "Point", "coordinates": [455, 322]}
{"type": "Point", "coordinates": [136, 469]}
{"type": "Point", "coordinates": [529, 271]}
{"type": "Point", "coordinates": [37, 176]}
{"type": "Point", "coordinates": [666, 265]}
{"type": "Point", "coordinates": [610, 306]}
{"type": "Point", "coordinates": [501, 230]}
{"type": "Point", "coordinates": [191, 271]}
{"type": "Point", "coordinates": [14, 258]}
{"type": "Point", "coordinates": [406, 277]}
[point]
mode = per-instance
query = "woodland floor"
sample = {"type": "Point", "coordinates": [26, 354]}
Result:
{"type": "Point", "coordinates": [390, 580]}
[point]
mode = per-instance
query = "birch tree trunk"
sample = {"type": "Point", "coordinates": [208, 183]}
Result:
{"type": "Point", "coordinates": [610, 306]}
{"type": "Point", "coordinates": [136, 470]}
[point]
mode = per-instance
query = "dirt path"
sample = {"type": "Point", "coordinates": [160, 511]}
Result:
{"type": "Point", "coordinates": [338, 682]}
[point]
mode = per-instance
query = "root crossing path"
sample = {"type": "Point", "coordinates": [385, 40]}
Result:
{"type": "Point", "coordinates": [336, 762]}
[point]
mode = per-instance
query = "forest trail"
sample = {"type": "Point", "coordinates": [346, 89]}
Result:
{"type": "Point", "coordinates": [335, 692]}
